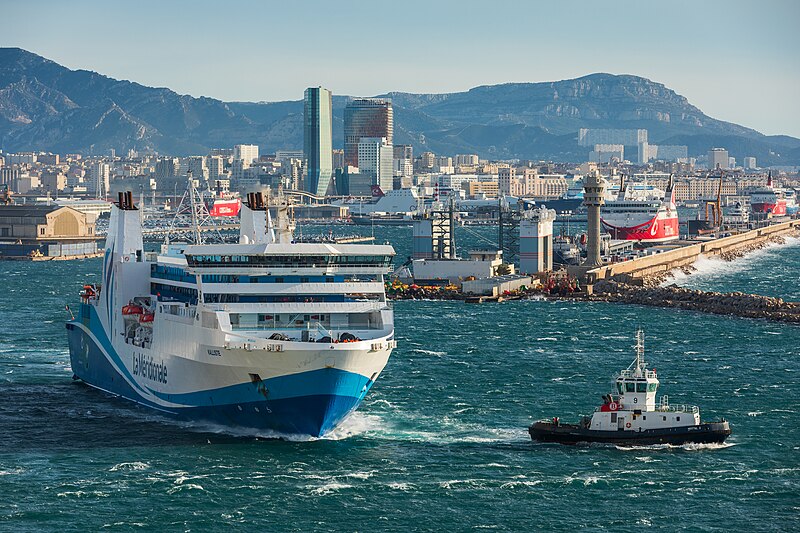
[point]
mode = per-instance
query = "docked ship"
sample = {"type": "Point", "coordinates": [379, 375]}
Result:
{"type": "Point", "coordinates": [268, 333]}
{"type": "Point", "coordinates": [630, 416]}
{"type": "Point", "coordinates": [642, 214]}
{"type": "Point", "coordinates": [383, 219]}
{"type": "Point", "coordinates": [737, 215]}
{"type": "Point", "coordinates": [226, 207]}
{"type": "Point", "coordinates": [769, 200]}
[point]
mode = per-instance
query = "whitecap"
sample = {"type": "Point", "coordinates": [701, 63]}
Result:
{"type": "Point", "coordinates": [429, 352]}
{"type": "Point", "coordinates": [136, 465]}
{"type": "Point", "coordinates": [361, 475]}
{"type": "Point", "coordinates": [329, 488]}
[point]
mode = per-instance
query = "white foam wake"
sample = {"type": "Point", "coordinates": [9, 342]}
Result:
{"type": "Point", "coordinates": [707, 267]}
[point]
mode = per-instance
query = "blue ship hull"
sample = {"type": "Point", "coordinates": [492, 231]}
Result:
{"type": "Point", "coordinates": [309, 403]}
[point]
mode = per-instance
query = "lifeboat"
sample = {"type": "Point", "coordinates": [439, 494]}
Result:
{"type": "Point", "coordinates": [146, 318]}
{"type": "Point", "coordinates": [131, 309]}
{"type": "Point", "coordinates": [88, 292]}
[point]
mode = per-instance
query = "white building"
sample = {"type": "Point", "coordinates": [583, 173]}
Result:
{"type": "Point", "coordinates": [375, 158]}
{"type": "Point", "coordinates": [605, 153]}
{"type": "Point", "coordinates": [216, 167]}
{"type": "Point", "coordinates": [246, 152]}
{"type": "Point", "coordinates": [466, 160]}
{"type": "Point", "coordinates": [718, 157]}
{"type": "Point", "coordinates": [750, 163]}
{"type": "Point", "coordinates": [197, 166]}
{"type": "Point", "coordinates": [99, 179]}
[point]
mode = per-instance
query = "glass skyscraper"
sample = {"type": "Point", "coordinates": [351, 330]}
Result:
{"type": "Point", "coordinates": [366, 117]}
{"type": "Point", "coordinates": [317, 143]}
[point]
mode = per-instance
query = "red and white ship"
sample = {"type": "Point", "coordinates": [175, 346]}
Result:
{"type": "Point", "coordinates": [768, 200]}
{"type": "Point", "coordinates": [642, 213]}
{"type": "Point", "coordinates": [226, 208]}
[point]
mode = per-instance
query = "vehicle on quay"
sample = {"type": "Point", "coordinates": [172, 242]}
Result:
{"type": "Point", "coordinates": [630, 416]}
{"type": "Point", "coordinates": [268, 333]}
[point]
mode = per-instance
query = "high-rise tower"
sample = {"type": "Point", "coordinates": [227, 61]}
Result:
{"type": "Point", "coordinates": [366, 117]}
{"type": "Point", "coordinates": [317, 144]}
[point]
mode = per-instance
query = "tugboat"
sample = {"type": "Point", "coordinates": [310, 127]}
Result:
{"type": "Point", "coordinates": [629, 416]}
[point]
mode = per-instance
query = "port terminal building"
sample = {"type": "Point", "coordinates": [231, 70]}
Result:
{"type": "Point", "coordinates": [46, 232]}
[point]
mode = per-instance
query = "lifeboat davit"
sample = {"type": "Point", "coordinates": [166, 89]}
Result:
{"type": "Point", "coordinates": [131, 309]}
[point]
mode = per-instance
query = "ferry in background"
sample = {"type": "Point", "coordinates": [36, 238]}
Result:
{"type": "Point", "coordinates": [405, 201]}
{"type": "Point", "coordinates": [226, 208]}
{"type": "Point", "coordinates": [770, 200]}
{"type": "Point", "coordinates": [642, 213]}
{"type": "Point", "coordinates": [268, 333]}
{"type": "Point", "coordinates": [790, 195]}
{"type": "Point", "coordinates": [571, 202]}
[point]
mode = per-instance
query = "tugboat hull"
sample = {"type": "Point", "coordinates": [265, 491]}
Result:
{"type": "Point", "coordinates": [712, 432]}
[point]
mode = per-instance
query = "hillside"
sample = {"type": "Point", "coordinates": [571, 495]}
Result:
{"type": "Point", "coordinates": [45, 106]}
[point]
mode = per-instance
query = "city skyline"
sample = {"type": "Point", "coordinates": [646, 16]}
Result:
{"type": "Point", "coordinates": [749, 80]}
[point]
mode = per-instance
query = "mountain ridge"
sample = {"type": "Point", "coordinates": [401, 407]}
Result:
{"type": "Point", "coordinates": [45, 106]}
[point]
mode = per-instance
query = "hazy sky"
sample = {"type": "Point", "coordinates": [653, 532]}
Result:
{"type": "Point", "coordinates": [736, 60]}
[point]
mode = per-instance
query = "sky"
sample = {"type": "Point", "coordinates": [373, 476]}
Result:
{"type": "Point", "coordinates": [736, 60]}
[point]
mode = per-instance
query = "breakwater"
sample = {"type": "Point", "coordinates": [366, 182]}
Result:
{"type": "Point", "coordinates": [732, 304]}
{"type": "Point", "coordinates": [658, 266]}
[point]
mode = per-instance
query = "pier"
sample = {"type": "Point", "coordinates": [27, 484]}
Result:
{"type": "Point", "coordinates": [638, 270]}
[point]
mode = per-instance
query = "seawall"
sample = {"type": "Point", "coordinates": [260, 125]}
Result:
{"type": "Point", "coordinates": [658, 265]}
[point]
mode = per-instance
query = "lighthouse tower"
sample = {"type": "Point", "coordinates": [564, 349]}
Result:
{"type": "Point", "coordinates": [594, 187]}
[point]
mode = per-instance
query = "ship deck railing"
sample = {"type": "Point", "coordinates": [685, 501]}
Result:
{"type": "Point", "coordinates": [632, 374]}
{"type": "Point", "coordinates": [665, 408]}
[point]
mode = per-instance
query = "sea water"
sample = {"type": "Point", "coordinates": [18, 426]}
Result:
{"type": "Point", "coordinates": [440, 443]}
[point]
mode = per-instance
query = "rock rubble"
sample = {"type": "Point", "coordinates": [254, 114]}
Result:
{"type": "Point", "coordinates": [733, 304]}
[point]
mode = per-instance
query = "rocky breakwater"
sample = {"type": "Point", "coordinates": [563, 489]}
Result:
{"type": "Point", "coordinates": [733, 304]}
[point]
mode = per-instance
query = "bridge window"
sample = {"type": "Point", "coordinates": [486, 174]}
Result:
{"type": "Point", "coordinates": [620, 387]}
{"type": "Point", "coordinates": [641, 387]}
{"type": "Point", "coordinates": [630, 386]}
{"type": "Point", "coordinates": [651, 387]}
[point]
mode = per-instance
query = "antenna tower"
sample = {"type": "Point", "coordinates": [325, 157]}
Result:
{"type": "Point", "coordinates": [192, 222]}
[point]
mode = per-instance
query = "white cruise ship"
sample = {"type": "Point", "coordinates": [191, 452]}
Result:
{"type": "Point", "coordinates": [267, 334]}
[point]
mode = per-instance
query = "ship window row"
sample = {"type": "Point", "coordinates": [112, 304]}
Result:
{"type": "Point", "coordinates": [234, 278]}
{"type": "Point", "coordinates": [171, 273]}
{"type": "Point", "coordinates": [289, 260]}
{"type": "Point", "coordinates": [225, 298]}
{"type": "Point", "coordinates": [172, 293]}
{"type": "Point", "coordinates": [240, 321]}
{"type": "Point", "coordinates": [634, 386]}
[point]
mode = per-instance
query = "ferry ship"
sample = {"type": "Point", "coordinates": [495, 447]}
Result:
{"type": "Point", "coordinates": [642, 214]}
{"type": "Point", "coordinates": [267, 333]}
{"type": "Point", "coordinates": [226, 208]}
{"type": "Point", "coordinates": [768, 200]}
{"type": "Point", "coordinates": [630, 416]}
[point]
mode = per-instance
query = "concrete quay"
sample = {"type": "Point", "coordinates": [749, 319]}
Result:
{"type": "Point", "coordinates": [638, 271]}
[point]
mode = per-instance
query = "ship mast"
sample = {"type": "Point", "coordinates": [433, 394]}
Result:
{"type": "Point", "coordinates": [639, 351]}
{"type": "Point", "coordinates": [192, 219]}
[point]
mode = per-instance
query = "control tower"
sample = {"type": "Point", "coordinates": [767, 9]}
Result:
{"type": "Point", "coordinates": [536, 240]}
{"type": "Point", "coordinates": [594, 187]}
